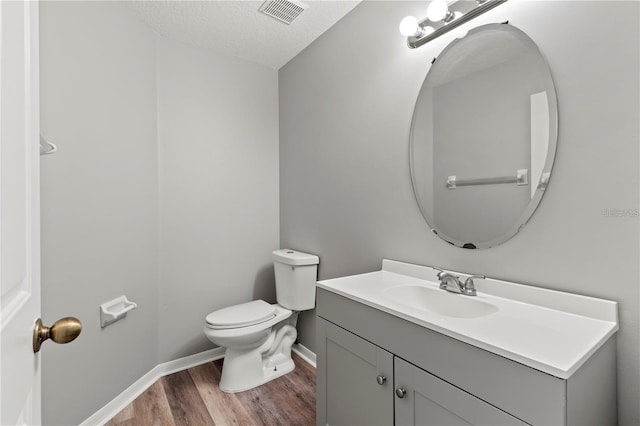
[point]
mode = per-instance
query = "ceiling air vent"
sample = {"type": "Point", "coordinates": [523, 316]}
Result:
{"type": "Point", "coordinates": [283, 10]}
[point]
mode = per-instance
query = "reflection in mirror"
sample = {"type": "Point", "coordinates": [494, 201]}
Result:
{"type": "Point", "coordinates": [483, 136]}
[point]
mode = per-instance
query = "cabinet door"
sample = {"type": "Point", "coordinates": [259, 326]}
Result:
{"type": "Point", "coordinates": [354, 379]}
{"type": "Point", "coordinates": [429, 400]}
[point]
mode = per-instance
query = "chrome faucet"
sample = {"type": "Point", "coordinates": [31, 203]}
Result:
{"type": "Point", "coordinates": [452, 283]}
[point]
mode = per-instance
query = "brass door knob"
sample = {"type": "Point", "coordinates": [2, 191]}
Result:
{"type": "Point", "coordinates": [64, 330]}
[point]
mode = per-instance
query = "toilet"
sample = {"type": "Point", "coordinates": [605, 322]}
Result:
{"type": "Point", "coordinates": [257, 335]}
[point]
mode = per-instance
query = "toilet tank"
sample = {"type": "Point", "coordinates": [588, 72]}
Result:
{"type": "Point", "coordinates": [296, 275]}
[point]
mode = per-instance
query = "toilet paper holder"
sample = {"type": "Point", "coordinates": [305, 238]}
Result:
{"type": "Point", "coordinates": [115, 310]}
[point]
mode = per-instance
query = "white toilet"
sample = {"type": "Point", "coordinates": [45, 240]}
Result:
{"type": "Point", "coordinates": [258, 336]}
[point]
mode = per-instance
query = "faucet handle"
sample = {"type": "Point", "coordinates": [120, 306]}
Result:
{"type": "Point", "coordinates": [471, 277]}
{"type": "Point", "coordinates": [439, 274]}
{"type": "Point", "coordinates": [469, 285]}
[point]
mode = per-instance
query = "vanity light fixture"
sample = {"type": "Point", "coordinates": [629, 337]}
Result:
{"type": "Point", "coordinates": [441, 18]}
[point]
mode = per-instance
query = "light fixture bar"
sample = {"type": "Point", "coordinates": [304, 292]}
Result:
{"type": "Point", "coordinates": [468, 9]}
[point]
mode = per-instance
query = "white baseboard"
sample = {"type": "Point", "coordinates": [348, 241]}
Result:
{"type": "Point", "coordinates": [305, 353]}
{"type": "Point", "coordinates": [180, 364]}
{"type": "Point", "coordinates": [116, 405]}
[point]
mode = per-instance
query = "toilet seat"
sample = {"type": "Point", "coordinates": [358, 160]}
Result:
{"type": "Point", "coordinates": [242, 315]}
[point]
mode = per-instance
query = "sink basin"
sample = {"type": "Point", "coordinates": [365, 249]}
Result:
{"type": "Point", "coordinates": [439, 301]}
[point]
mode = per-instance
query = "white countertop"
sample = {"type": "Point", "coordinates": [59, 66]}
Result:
{"type": "Point", "coordinates": [551, 331]}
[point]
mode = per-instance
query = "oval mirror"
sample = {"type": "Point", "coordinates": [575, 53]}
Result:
{"type": "Point", "coordinates": [483, 136]}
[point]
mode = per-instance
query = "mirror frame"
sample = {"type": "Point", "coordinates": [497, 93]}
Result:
{"type": "Point", "coordinates": [552, 102]}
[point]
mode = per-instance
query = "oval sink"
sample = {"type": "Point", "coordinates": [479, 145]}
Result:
{"type": "Point", "coordinates": [439, 301]}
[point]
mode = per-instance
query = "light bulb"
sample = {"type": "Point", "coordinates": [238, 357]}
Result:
{"type": "Point", "coordinates": [427, 30]}
{"type": "Point", "coordinates": [409, 27]}
{"type": "Point", "coordinates": [437, 10]}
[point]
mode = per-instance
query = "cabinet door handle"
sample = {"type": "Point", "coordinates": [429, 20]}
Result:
{"type": "Point", "coordinates": [401, 392]}
{"type": "Point", "coordinates": [381, 379]}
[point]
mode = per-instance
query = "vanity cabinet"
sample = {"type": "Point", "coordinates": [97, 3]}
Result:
{"type": "Point", "coordinates": [359, 376]}
{"type": "Point", "coordinates": [366, 385]}
{"type": "Point", "coordinates": [424, 399]}
{"type": "Point", "coordinates": [365, 355]}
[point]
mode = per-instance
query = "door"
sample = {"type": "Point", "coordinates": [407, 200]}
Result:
{"type": "Point", "coordinates": [424, 399]}
{"type": "Point", "coordinates": [19, 213]}
{"type": "Point", "coordinates": [354, 379]}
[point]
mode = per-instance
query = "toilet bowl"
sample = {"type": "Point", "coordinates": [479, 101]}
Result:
{"type": "Point", "coordinates": [258, 349]}
{"type": "Point", "coordinates": [257, 335]}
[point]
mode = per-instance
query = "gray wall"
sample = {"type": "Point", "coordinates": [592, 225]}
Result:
{"type": "Point", "coordinates": [345, 193]}
{"type": "Point", "coordinates": [99, 201]}
{"type": "Point", "coordinates": [219, 213]}
{"type": "Point", "coordinates": [165, 189]}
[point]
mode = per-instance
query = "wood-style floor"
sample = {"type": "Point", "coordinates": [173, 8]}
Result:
{"type": "Point", "coordinates": [193, 397]}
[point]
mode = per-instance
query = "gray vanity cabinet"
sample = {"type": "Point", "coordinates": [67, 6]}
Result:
{"type": "Point", "coordinates": [366, 385]}
{"type": "Point", "coordinates": [424, 399]}
{"type": "Point", "coordinates": [358, 379]}
{"type": "Point", "coordinates": [445, 381]}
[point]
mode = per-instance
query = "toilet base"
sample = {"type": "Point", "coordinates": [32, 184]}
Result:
{"type": "Point", "coordinates": [285, 367]}
{"type": "Point", "coordinates": [245, 369]}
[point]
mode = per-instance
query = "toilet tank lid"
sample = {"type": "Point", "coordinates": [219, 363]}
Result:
{"type": "Point", "coordinates": [293, 257]}
{"type": "Point", "coordinates": [242, 315]}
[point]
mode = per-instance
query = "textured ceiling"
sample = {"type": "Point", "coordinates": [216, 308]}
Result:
{"type": "Point", "coordinates": [236, 28]}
